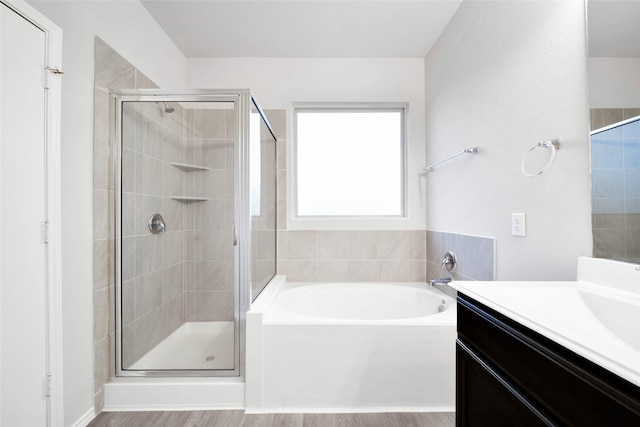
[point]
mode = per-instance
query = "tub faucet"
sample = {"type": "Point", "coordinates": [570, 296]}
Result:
{"type": "Point", "coordinates": [444, 281]}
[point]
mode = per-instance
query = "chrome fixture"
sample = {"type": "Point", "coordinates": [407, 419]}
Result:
{"type": "Point", "coordinates": [443, 281]}
{"type": "Point", "coordinates": [473, 150]}
{"type": "Point", "coordinates": [552, 144]}
{"type": "Point", "coordinates": [450, 262]}
{"type": "Point", "coordinates": [168, 108]}
{"type": "Point", "coordinates": [156, 224]}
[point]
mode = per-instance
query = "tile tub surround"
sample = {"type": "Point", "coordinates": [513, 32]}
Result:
{"type": "Point", "coordinates": [353, 256]}
{"type": "Point", "coordinates": [344, 255]}
{"type": "Point", "coordinates": [475, 255]}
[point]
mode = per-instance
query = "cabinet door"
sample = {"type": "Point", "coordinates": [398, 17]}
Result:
{"type": "Point", "coordinates": [484, 399]}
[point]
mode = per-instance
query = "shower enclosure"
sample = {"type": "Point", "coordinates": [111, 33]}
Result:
{"type": "Point", "coordinates": [195, 199]}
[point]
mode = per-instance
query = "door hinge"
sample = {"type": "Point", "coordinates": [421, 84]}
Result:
{"type": "Point", "coordinates": [47, 385]}
{"type": "Point", "coordinates": [235, 235]}
{"type": "Point", "coordinates": [44, 232]}
{"type": "Point", "coordinates": [47, 75]}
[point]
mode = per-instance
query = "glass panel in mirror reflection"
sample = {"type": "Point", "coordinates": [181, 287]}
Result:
{"type": "Point", "coordinates": [178, 292]}
{"type": "Point", "coordinates": [349, 162]}
{"type": "Point", "coordinates": [615, 168]}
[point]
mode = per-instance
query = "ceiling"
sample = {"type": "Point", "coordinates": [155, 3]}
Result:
{"type": "Point", "coordinates": [351, 28]}
{"type": "Point", "coordinates": [303, 28]}
{"type": "Point", "coordinates": [614, 28]}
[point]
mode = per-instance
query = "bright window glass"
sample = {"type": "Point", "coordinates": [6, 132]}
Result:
{"type": "Point", "coordinates": [349, 162]}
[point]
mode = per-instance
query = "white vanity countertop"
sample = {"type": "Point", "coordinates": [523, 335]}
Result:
{"type": "Point", "coordinates": [598, 322]}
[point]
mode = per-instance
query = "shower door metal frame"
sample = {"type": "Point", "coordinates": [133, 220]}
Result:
{"type": "Point", "coordinates": [242, 100]}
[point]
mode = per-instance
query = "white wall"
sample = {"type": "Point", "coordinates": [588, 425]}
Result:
{"type": "Point", "coordinates": [503, 76]}
{"type": "Point", "coordinates": [129, 29]}
{"type": "Point", "coordinates": [614, 82]}
{"type": "Point", "coordinates": [277, 82]}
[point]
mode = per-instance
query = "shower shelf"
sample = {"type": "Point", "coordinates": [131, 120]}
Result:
{"type": "Point", "coordinates": [190, 168]}
{"type": "Point", "coordinates": [190, 198]}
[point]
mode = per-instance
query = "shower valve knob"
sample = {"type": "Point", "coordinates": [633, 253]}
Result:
{"type": "Point", "coordinates": [156, 224]}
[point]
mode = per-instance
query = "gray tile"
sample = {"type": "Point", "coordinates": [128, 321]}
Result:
{"type": "Point", "coordinates": [609, 220]}
{"type": "Point", "coordinates": [102, 165]}
{"type": "Point", "coordinates": [210, 123]}
{"type": "Point", "coordinates": [102, 204]}
{"type": "Point", "coordinates": [101, 119]}
{"type": "Point", "coordinates": [173, 282]}
{"type": "Point", "coordinates": [148, 175]}
{"type": "Point", "coordinates": [148, 254]}
{"type": "Point", "coordinates": [101, 363]}
{"type": "Point", "coordinates": [363, 245]}
{"type": "Point", "coordinates": [210, 275]}
{"type": "Point", "coordinates": [301, 270]}
{"type": "Point", "coordinates": [392, 245]}
{"type": "Point", "coordinates": [173, 315]}
{"type": "Point", "coordinates": [393, 271]}
{"type": "Point", "coordinates": [147, 293]}
{"type": "Point", "coordinates": [173, 248]}
{"type": "Point", "coordinates": [302, 245]}
{"type": "Point", "coordinates": [608, 183]}
{"type": "Point", "coordinates": [112, 71]}
{"type": "Point", "coordinates": [102, 310]}
{"type": "Point", "coordinates": [333, 271]}
{"type": "Point", "coordinates": [102, 264]}
{"type": "Point", "coordinates": [363, 270]}
{"type": "Point", "coordinates": [333, 245]}
{"type": "Point", "coordinates": [278, 121]}
{"type": "Point", "coordinates": [148, 332]}
{"type": "Point", "coordinates": [633, 245]}
{"type": "Point", "coordinates": [417, 245]}
{"type": "Point", "coordinates": [210, 306]}
{"type": "Point", "coordinates": [609, 243]}
{"type": "Point", "coordinates": [143, 82]}
{"type": "Point", "coordinates": [128, 303]}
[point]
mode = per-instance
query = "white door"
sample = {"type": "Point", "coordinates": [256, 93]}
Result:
{"type": "Point", "coordinates": [23, 261]}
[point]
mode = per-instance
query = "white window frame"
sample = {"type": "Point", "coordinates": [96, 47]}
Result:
{"type": "Point", "coordinates": [295, 221]}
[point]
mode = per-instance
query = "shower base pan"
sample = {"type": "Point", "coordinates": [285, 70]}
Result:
{"type": "Point", "coordinates": [193, 346]}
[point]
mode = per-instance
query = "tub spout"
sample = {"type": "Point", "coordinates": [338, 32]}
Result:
{"type": "Point", "coordinates": [436, 282]}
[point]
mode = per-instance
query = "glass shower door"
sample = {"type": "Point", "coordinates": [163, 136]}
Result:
{"type": "Point", "coordinates": [179, 290]}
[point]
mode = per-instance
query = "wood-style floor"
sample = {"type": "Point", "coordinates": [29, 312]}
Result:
{"type": "Point", "coordinates": [240, 419]}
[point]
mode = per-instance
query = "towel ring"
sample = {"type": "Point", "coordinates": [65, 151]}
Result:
{"type": "Point", "coordinates": [553, 144]}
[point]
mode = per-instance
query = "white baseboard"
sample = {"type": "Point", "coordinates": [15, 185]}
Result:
{"type": "Point", "coordinates": [85, 419]}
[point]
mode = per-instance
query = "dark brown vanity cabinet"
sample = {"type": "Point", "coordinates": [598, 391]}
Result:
{"type": "Point", "coordinates": [509, 375]}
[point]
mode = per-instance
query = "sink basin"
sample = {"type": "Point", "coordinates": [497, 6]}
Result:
{"type": "Point", "coordinates": [618, 315]}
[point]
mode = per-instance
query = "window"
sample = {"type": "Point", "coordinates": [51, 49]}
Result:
{"type": "Point", "coordinates": [349, 161]}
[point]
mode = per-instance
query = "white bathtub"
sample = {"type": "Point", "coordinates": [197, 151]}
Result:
{"type": "Point", "coordinates": [350, 347]}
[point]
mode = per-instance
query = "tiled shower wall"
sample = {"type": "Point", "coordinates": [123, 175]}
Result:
{"type": "Point", "coordinates": [615, 163]}
{"type": "Point", "coordinates": [111, 72]}
{"type": "Point", "coordinates": [152, 264]}
{"type": "Point", "coordinates": [186, 273]}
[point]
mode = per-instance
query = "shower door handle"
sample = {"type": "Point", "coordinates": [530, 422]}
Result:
{"type": "Point", "coordinates": [235, 235]}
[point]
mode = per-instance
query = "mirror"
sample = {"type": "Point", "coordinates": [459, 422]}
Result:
{"type": "Point", "coordinates": [614, 97]}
